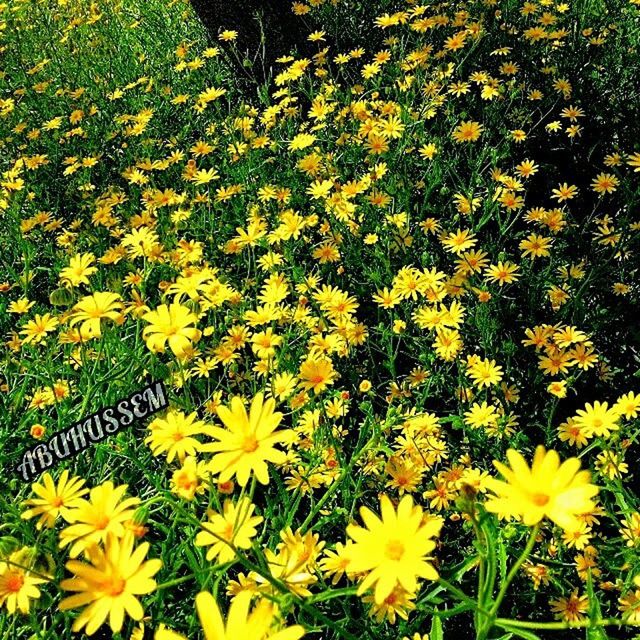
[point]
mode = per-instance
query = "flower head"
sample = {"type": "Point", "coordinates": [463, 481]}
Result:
{"type": "Point", "coordinates": [17, 583]}
{"type": "Point", "coordinates": [547, 489]}
{"type": "Point", "coordinates": [393, 549]}
{"type": "Point", "coordinates": [257, 624]}
{"type": "Point", "coordinates": [53, 500]}
{"type": "Point", "coordinates": [234, 527]}
{"type": "Point", "coordinates": [247, 443]}
{"type": "Point", "coordinates": [174, 434]}
{"type": "Point", "coordinates": [104, 512]}
{"type": "Point", "coordinates": [110, 583]}
{"type": "Point", "coordinates": [91, 309]}
{"type": "Point", "coordinates": [170, 324]}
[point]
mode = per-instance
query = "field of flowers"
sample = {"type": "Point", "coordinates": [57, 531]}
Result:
{"type": "Point", "coordinates": [383, 309]}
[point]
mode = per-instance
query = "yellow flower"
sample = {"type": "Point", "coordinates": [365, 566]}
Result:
{"type": "Point", "coordinates": [572, 608]}
{"type": "Point", "coordinates": [301, 141]}
{"type": "Point", "coordinates": [393, 549]}
{"type": "Point", "coordinates": [548, 489]}
{"type": "Point", "coordinates": [174, 433]}
{"type": "Point", "coordinates": [502, 273]}
{"type": "Point", "coordinates": [18, 584]}
{"type": "Point", "coordinates": [140, 242]}
{"type": "Point", "coordinates": [91, 309]}
{"type": "Point", "coordinates": [605, 183]}
{"type": "Point", "coordinates": [186, 482]}
{"type": "Point", "coordinates": [535, 246]}
{"type": "Point", "coordinates": [481, 415]}
{"type": "Point", "coordinates": [21, 305]}
{"type": "Point", "coordinates": [204, 176]}
{"type": "Point", "coordinates": [95, 518]}
{"type": "Point", "coordinates": [228, 35]}
{"type": "Point", "coordinates": [316, 374]}
{"type": "Point", "coordinates": [293, 564]}
{"type": "Point", "coordinates": [233, 528]}
{"type": "Point", "coordinates": [628, 405]}
{"type": "Point", "coordinates": [564, 192]}
{"type": "Point", "coordinates": [467, 131]}
{"type": "Point", "coordinates": [110, 584]}
{"type": "Point", "coordinates": [485, 373]}
{"type": "Point", "coordinates": [247, 443]}
{"type": "Point", "coordinates": [36, 330]}
{"type": "Point", "coordinates": [240, 624]}
{"type": "Point", "coordinates": [53, 500]}
{"type": "Point", "coordinates": [558, 388]}
{"type": "Point", "coordinates": [283, 385]}
{"type": "Point", "coordinates": [170, 324]}
{"type": "Point", "coordinates": [598, 419]}
{"type": "Point", "coordinates": [397, 604]}
{"type": "Point", "coordinates": [79, 269]}
{"type": "Point", "coordinates": [336, 563]}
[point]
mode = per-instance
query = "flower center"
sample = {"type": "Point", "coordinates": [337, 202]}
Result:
{"type": "Point", "coordinates": [250, 444]}
{"type": "Point", "coordinates": [102, 522]}
{"type": "Point", "coordinates": [394, 550]}
{"type": "Point", "coordinates": [540, 499]}
{"type": "Point", "coordinates": [14, 582]}
{"type": "Point", "coordinates": [57, 502]}
{"type": "Point", "coordinates": [116, 586]}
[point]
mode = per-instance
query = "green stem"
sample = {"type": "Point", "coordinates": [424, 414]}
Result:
{"type": "Point", "coordinates": [515, 568]}
{"type": "Point", "coordinates": [329, 594]}
{"type": "Point", "coordinates": [176, 581]}
{"type": "Point", "coordinates": [505, 623]}
{"type": "Point", "coordinates": [482, 554]}
{"type": "Point", "coordinates": [460, 595]}
{"type": "Point", "coordinates": [337, 484]}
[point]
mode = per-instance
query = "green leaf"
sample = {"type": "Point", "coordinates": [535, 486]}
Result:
{"type": "Point", "coordinates": [436, 632]}
{"type": "Point", "coordinates": [502, 558]}
{"type": "Point", "coordinates": [467, 565]}
{"type": "Point", "coordinates": [594, 606]}
{"type": "Point", "coordinates": [595, 615]}
{"type": "Point", "coordinates": [597, 633]}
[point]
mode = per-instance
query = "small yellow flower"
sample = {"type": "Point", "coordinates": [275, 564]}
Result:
{"type": "Point", "coordinates": [547, 489]}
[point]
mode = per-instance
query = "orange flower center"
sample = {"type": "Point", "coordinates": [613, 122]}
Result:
{"type": "Point", "coordinates": [540, 499]}
{"type": "Point", "coordinates": [394, 550]}
{"type": "Point", "coordinates": [186, 482]}
{"type": "Point", "coordinates": [116, 586]}
{"type": "Point", "coordinates": [57, 502]}
{"type": "Point", "coordinates": [14, 582]}
{"type": "Point", "coordinates": [102, 522]}
{"type": "Point", "coordinates": [250, 444]}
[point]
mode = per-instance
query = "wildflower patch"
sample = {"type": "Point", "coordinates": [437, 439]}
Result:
{"type": "Point", "coordinates": [92, 429]}
{"type": "Point", "coordinates": [391, 292]}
